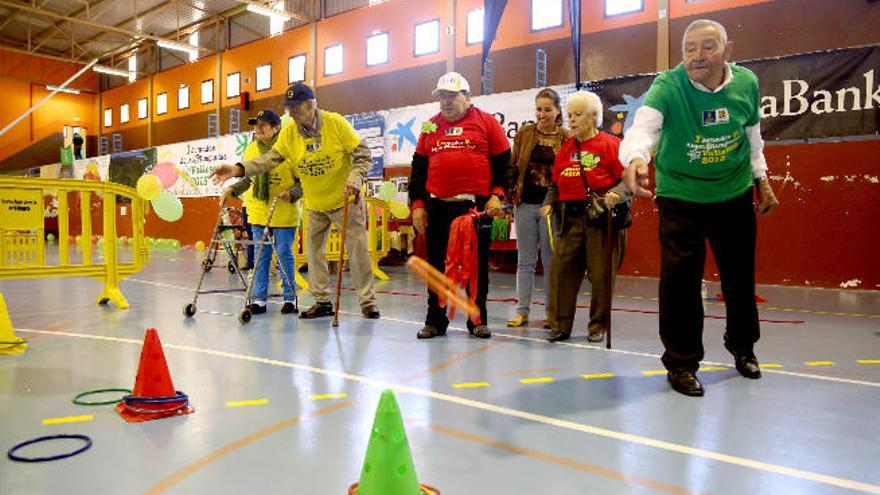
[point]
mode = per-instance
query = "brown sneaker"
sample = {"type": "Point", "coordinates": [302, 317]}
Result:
{"type": "Point", "coordinates": [518, 321]}
{"type": "Point", "coordinates": [481, 331]}
{"type": "Point", "coordinates": [429, 332]}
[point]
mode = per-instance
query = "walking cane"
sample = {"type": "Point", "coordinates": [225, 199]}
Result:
{"type": "Point", "coordinates": [609, 266]}
{"type": "Point", "coordinates": [341, 258]}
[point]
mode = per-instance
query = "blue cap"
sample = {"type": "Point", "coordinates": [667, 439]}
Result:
{"type": "Point", "coordinates": [267, 116]}
{"type": "Point", "coordinates": [297, 93]}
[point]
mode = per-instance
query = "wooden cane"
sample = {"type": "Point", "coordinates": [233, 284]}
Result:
{"type": "Point", "coordinates": [609, 266]}
{"type": "Point", "coordinates": [341, 258]}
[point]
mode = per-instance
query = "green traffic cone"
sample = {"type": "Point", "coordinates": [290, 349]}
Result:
{"type": "Point", "coordinates": [388, 467]}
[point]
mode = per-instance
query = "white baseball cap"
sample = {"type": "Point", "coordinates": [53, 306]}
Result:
{"type": "Point", "coordinates": [452, 81]}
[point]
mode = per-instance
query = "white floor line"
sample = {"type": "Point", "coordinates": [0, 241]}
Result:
{"type": "Point", "coordinates": [560, 423]}
{"type": "Point", "coordinates": [573, 344]}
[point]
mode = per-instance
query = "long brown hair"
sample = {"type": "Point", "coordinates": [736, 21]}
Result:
{"type": "Point", "coordinates": [554, 97]}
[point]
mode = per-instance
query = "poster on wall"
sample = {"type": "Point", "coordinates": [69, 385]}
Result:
{"type": "Point", "coordinates": [96, 168]}
{"type": "Point", "coordinates": [185, 167]}
{"type": "Point", "coordinates": [370, 126]}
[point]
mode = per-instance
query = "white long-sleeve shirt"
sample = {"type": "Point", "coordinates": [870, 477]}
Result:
{"type": "Point", "coordinates": [643, 136]}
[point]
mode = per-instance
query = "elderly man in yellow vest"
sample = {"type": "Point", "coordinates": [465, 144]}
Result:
{"type": "Point", "coordinates": [280, 186]}
{"type": "Point", "coordinates": [331, 161]}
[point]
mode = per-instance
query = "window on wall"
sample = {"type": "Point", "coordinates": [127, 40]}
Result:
{"type": "Point", "coordinates": [207, 92]}
{"type": "Point", "coordinates": [108, 117]}
{"type": "Point", "coordinates": [427, 37]}
{"type": "Point", "coordinates": [233, 84]}
{"type": "Point", "coordinates": [546, 14]}
{"type": "Point", "coordinates": [161, 103]}
{"type": "Point", "coordinates": [333, 60]}
{"type": "Point", "coordinates": [475, 26]}
{"type": "Point", "coordinates": [618, 7]}
{"type": "Point", "coordinates": [183, 97]}
{"type": "Point", "coordinates": [264, 77]}
{"type": "Point", "coordinates": [123, 114]}
{"type": "Point", "coordinates": [276, 24]}
{"type": "Point", "coordinates": [377, 49]}
{"type": "Point", "coordinates": [142, 108]}
{"type": "Point", "coordinates": [132, 68]}
{"type": "Point", "coordinates": [296, 68]}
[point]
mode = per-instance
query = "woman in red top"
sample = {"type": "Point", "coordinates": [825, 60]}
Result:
{"type": "Point", "coordinates": [586, 181]}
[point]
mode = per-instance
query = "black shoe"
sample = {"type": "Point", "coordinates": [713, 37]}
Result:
{"type": "Point", "coordinates": [429, 332]}
{"type": "Point", "coordinates": [317, 311]}
{"type": "Point", "coordinates": [480, 331]}
{"type": "Point", "coordinates": [288, 308]}
{"type": "Point", "coordinates": [257, 309]}
{"type": "Point", "coordinates": [597, 336]}
{"type": "Point", "coordinates": [685, 382]}
{"type": "Point", "coordinates": [558, 337]}
{"type": "Point", "coordinates": [371, 312]}
{"type": "Point", "coordinates": [746, 363]}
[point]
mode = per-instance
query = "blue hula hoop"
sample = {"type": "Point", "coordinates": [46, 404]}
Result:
{"type": "Point", "coordinates": [12, 456]}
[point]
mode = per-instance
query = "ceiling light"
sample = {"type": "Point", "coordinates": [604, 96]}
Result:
{"type": "Point", "coordinates": [62, 90]}
{"type": "Point", "coordinates": [268, 12]}
{"type": "Point", "coordinates": [103, 69]}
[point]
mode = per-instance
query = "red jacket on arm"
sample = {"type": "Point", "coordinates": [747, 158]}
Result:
{"type": "Point", "coordinates": [601, 166]}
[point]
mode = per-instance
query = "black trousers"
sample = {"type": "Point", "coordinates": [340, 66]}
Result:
{"type": "Point", "coordinates": [441, 214]}
{"type": "Point", "coordinates": [731, 229]}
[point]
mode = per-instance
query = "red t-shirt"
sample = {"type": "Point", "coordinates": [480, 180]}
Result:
{"type": "Point", "coordinates": [458, 153]}
{"type": "Point", "coordinates": [601, 166]}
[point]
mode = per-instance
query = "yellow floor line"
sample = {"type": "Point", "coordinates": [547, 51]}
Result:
{"type": "Point", "coordinates": [243, 403]}
{"type": "Point", "coordinates": [819, 363]}
{"type": "Point", "coordinates": [868, 361]}
{"type": "Point", "coordinates": [544, 379]}
{"type": "Point", "coordinates": [515, 413]}
{"type": "Point", "coordinates": [770, 365]}
{"type": "Point", "coordinates": [68, 419]}
{"type": "Point", "coordinates": [598, 376]}
{"type": "Point", "coordinates": [713, 368]}
{"type": "Point", "coordinates": [328, 396]}
{"type": "Point", "coordinates": [470, 385]}
{"type": "Point", "coordinates": [654, 372]}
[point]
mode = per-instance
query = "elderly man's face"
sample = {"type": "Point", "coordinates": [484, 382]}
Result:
{"type": "Point", "coordinates": [704, 56]}
{"type": "Point", "coordinates": [581, 121]}
{"type": "Point", "coordinates": [265, 132]}
{"type": "Point", "coordinates": [304, 112]}
{"type": "Point", "coordinates": [453, 104]}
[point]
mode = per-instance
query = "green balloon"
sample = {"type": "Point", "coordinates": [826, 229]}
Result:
{"type": "Point", "coordinates": [50, 237]}
{"type": "Point", "coordinates": [167, 207]}
{"type": "Point", "coordinates": [387, 191]}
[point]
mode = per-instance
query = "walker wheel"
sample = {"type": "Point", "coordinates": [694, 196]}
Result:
{"type": "Point", "coordinates": [231, 267]}
{"type": "Point", "coordinates": [189, 310]}
{"type": "Point", "coordinates": [206, 265]}
{"type": "Point", "coordinates": [244, 316]}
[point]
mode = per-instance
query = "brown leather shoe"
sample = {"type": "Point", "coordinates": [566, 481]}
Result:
{"type": "Point", "coordinates": [746, 362]}
{"type": "Point", "coordinates": [558, 337]}
{"type": "Point", "coordinates": [547, 323]}
{"type": "Point", "coordinates": [596, 336]}
{"type": "Point", "coordinates": [685, 382]}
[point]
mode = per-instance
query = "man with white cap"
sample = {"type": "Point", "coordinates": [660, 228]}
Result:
{"type": "Point", "coordinates": [461, 162]}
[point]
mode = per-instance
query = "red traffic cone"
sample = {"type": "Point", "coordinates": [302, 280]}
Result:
{"type": "Point", "coordinates": [154, 396]}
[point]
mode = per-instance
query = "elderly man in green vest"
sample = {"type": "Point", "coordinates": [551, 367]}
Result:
{"type": "Point", "coordinates": [702, 121]}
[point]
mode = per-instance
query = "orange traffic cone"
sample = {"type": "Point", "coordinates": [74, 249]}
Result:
{"type": "Point", "coordinates": [154, 396]}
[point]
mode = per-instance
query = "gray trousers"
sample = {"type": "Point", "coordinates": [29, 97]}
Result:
{"type": "Point", "coordinates": [355, 245]}
{"type": "Point", "coordinates": [531, 235]}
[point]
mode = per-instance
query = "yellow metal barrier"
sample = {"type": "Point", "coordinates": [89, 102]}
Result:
{"type": "Point", "coordinates": [22, 249]}
{"type": "Point", "coordinates": [378, 241]}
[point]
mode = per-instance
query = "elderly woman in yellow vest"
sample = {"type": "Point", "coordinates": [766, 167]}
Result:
{"type": "Point", "coordinates": [259, 192]}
